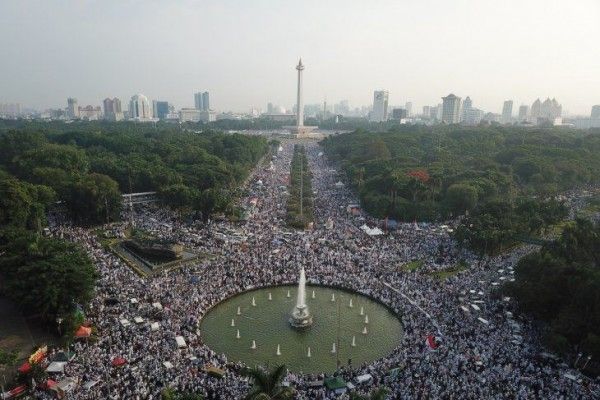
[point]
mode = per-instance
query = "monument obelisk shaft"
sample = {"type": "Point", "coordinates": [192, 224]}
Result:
{"type": "Point", "coordinates": [299, 103]}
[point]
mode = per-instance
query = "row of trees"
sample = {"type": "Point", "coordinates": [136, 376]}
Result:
{"type": "Point", "coordinates": [88, 165]}
{"type": "Point", "coordinates": [430, 173]}
{"type": "Point", "coordinates": [497, 224]}
{"type": "Point", "coordinates": [560, 285]}
{"type": "Point", "coordinates": [502, 177]}
{"type": "Point", "coordinates": [300, 201]}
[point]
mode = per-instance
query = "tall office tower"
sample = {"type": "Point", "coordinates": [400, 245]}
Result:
{"type": "Point", "coordinates": [523, 113]}
{"type": "Point", "coordinates": [451, 109]}
{"type": "Point", "coordinates": [551, 110]}
{"type": "Point", "coordinates": [109, 108]}
{"type": "Point", "coordinates": [380, 106]}
{"type": "Point", "coordinates": [117, 105]}
{"type": "Point", "coordinates": [139, 108]}
{"type": "Point", "coordinates": [473, 116]}
{"type": "Point", "coordinates": [198, 105]}
{"type": "Point", "coordinates": [408, 108]}
{"type": "Point", "coordinates": [467, 105]}
{"type": "Point", "coordinates": [72, 108]}
{"type": "Point", "coordinates": [398, 114]}
{"type": "Point", "coordinates": [536, 110]}
{"type": "Point", "coordinates": [160, 109]}
{"type": "Point", "coordinates": [205, 101]}
{"type": "Point", "coordinates": [426, 112]}
{"type": "Point", "coordinates": [270, 108]}
{"type": "Point", "coordinates": [507, 112]}
{"type": "Point", "coordinates": [595, 112]}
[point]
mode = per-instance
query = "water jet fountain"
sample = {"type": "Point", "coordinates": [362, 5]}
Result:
{"type": "Point", "coordinates": [237, 336]}
{"type": "Point", "coordinates": [232, 322]}
{"type": "Point", "coordinates": [253, 347]}
{"type": "Point", "coordinates": [353, 341]}
{"type": "Point", "coordinates": [278, 350]}
{"type": "Point", "coordinates": [301, 318]}
{"type": "Point", "coordinates": [333, 348]}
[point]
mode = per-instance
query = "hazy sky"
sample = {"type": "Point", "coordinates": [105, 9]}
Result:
{"type": "Point", "coordinates": [244, 51]}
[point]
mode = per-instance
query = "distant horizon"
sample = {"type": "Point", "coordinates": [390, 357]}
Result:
{"type": "Point", "coordinates": [244, 54]}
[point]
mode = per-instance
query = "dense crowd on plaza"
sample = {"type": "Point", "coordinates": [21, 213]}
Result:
{"type": "Point", "coordinates": [483, 349]}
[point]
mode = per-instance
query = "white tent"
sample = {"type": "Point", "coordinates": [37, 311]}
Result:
{"type": "Point", "coordinates": [154, 326]}
{"type": "Point", "coordinates": [56, 367]}
{"type": "Point", "coordinates": [180, 342]}
{"type": "Point", "coordinates": [168, 364]}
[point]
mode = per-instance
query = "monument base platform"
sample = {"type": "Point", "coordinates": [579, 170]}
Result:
{"type": "Point", "coordinates": [301, 131]}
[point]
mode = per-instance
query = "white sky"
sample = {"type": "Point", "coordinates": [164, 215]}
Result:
{"type": "Point", "coordinates": [244, 51]}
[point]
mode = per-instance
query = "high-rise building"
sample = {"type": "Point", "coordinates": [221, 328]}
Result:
{"type": "Point", "coordinates": [160, 109]}
{"type": "Point", "coordinates": [112, 109]}
{"type": "Point", "coordinates": [472, 116]}
{"type": "Point", "coordinates": [205, 101]}
{"type": "Point", "coordinates": [11, 110]}
{"type": "Point", "coordinates": [380, 106]}
{"type": "Point", "coordinates": [451, 109]}
{"type": "Point", "coordinates": [507, 112]}
{"type": "Point", "coordinates": [467, 105]}
{"type": "Point", "coordinates": [198, 105]}
{"type": "Point", "coordinates": [72, 108]}
{"type": "Point", "coordinates": [596, 112]}
{"type": "Point", "coordinates": [550, 110]}
{"type": "Point", "coordinates": [426, 112]}
{"type": "Point", "coordinates": [536, 110]}
{"type": "Point", "coordinates": [399, 114]}
{"type": "Point", "coordinates": [139, 108]}
{"type": "Point", "coordinates": [202, 101]}
{"type": "Point", "coordinates": [189, 115]}
{"type": "Point", "coordinates": [408, 107]}
{"type": "Point", "coordinates": [90, 113]}
{"type": "Point", "coordinates": [523, 113]}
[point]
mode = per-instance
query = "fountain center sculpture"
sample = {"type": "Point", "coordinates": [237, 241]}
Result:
{"type": "Point", "coordinates": [301, 318]}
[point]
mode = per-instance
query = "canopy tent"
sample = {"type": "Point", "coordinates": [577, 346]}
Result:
{"type": "Point", "coordinates": [118, 362]}
{"type": "Point", "coordinates": [371, 231]}
{"type": "Point", "coordinates": [180, 342]}
{"type": "Point", "coordinates": [62, 356]}
{"type": "Point", "coordinates": [56, 367]}
{"type": "Point", "coordinates": [83, 332]}
{"type": "Point", "coordinates": [11, 394]}
{"type": "Point", "coordinates": [25, 368]}
{"type": "Point", "coordinates": [214, 371]}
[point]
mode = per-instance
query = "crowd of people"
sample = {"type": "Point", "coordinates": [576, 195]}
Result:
{"type": "Point", "coordinates": [482, 348]}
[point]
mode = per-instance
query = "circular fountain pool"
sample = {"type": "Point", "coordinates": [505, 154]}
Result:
{"type": "Point", "coordinates": [350, 318]}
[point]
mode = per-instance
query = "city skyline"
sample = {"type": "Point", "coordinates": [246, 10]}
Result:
{"type": "Point", "coordinates": [405, 60]}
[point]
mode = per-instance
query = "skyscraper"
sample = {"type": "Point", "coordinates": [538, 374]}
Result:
{"type": "Point", "coordinates": [536, 110]}
{"type": "Point", "coordinates": [408, 108]}
{"type": "Point", "coordinates": [160, 109]}
{"type": "Point", "coordinates": [596, 112]}
{"type": "Point", "coordinates": [198, 104]}
{"type": "Point", "coordinates": [467, 105]}
{"type": "Point", "coordinates": [205, 101]}
{"type": "Point", "coordinates": [426, 112]}
{"type": "Point", "coordinates": [72, 108]}
{"type": "Point", "coordinates": [139, 108]}
{"type": "Point", "coordinates": [523, 113]}
{"type": "Point", "coordinates": [202, 101]}
{"type": "Point", "coordinates": [451, 109]}
{"type": "Point", "coordinates": [380, 106]}
{"type": "Point", "coordinates": [507, 112]}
